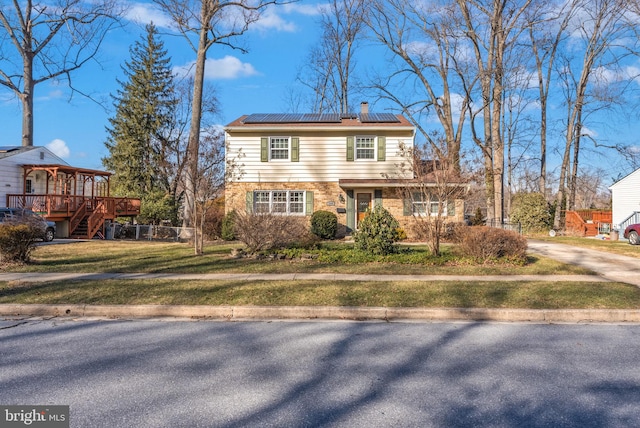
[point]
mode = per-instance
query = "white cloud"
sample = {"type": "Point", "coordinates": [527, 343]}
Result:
{"type": "Point", "coordinates": [302, 9]}
{"type": "Point", "coordinates": [59, 148]}
{"type": "Point", "coordinates": [225, 68]}
{"type": "Point", "coordinates": [270, 20]}
{"type": "Point", "coordinates": [144, 13]}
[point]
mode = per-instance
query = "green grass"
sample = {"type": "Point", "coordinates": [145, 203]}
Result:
{"type": "Point", "coordinates": [482, 294]}
{"type": "Point", "coordinates": [129, 257]}
{"type": "Point", "coordinates": [150, 257]}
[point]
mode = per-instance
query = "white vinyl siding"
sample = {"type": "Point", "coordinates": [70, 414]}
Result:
{"type": "Point", "coordinates": [322, 158]}
{"type": "Point", "coordinates": [11, 173]}
{"type": "Point", "coordinates": [625, 197]}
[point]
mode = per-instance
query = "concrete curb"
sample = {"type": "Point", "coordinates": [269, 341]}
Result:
{"type": "Point", "coordinates": [324, 312]}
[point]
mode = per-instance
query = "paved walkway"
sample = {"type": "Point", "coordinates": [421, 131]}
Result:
{"type": "Point", "coordinates": [607, 266]}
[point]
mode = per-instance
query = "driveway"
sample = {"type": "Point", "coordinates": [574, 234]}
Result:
{"type": "Point", "coordinates": [608, 265]}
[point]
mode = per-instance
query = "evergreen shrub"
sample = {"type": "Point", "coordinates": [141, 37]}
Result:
{"type": "Point", "coordinates": [227, 231]}
{"type": "Point", "coordinates": [532, 211]}
{"type": "Point", "coordinates": [377, 232]}
{"type": "Point", "coordinates": [324, 224]}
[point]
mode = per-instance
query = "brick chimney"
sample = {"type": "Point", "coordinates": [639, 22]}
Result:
{"type": "Point", "coordinates": [364, 107]}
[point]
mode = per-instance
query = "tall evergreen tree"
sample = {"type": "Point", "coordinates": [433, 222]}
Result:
{"type": "Point", "coordinates": [145, 110]}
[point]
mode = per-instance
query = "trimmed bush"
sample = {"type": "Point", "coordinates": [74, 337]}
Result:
{"type": "Point", "coordinates": [324, 224]}
{"type": "Point", "coordinates": [377, 232]}
{"type": "Point", "coordinates": [227, 231]}
{"type": "Point", "coordinates": [484, 244]}
{"type": "Point", "coordinates": [17, 241]}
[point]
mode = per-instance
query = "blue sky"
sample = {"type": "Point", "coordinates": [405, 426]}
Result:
{"type": "Point", "coordinates": [245, 83]}
{"type": "Point", "coordinates": [256, 82]}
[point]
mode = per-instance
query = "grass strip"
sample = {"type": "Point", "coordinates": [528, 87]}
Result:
{"type": "Point", "coordinates": [482, 294]}
{"type": "Point", "coordinates": [153, 257]}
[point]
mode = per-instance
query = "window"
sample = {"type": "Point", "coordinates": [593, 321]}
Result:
{"type": "Point", "coordinates": [422, 205]}
{"type": "Point", "coordinates": [365, 148]}
{"type": "Point", "coordinates": [29, 186]}
{"type": "Point", "coordinates": [279, 148]}
{"type": "Point", "coordinates": [279, 201]}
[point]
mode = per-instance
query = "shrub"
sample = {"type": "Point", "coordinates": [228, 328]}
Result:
{"type": "Point", "coordinates": [532, 211]}
{"type": "Point", "coordinates": [17, 241]}
{"type": "Point", "coordinates": [212, 225]}
{"type": "Point", "coordinates": [378, 232]}
{"type": "Point", "coordinates": [156, 207]}
{"type": "Point", "coordinates": [324, 224]}
{"type": "Point", "coordinates": [261, 232]}
{"type": "Point", "coordinates": [478, 218]}
{"type": "Point", "coordinates": [483, 244]}
{"type": "Point", "coordinates": [227, 231]}
{"type": "Point", "coordinates": [452, 231]}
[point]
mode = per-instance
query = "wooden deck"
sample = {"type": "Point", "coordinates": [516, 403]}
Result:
{"type": "Point", "coordinates": [588, 222]}
{"type": "Point", "coordinates": [86, 215]}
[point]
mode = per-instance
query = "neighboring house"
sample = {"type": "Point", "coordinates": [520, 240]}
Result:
{"type": "Point", "coordinates": [12, 178]}
{"type": "Point", "coordinates": [625, 198]}
{"type": "Point", "coordinates": [296, 164]}
{"type": "Point", "coordinates": [77, 199]}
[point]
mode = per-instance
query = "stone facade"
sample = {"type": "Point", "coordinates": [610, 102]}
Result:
{"type": "Point", "coordinates": [329, 196]}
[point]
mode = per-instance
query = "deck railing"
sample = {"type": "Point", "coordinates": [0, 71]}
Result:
{"type": "Point", "coordinates": [68, 205]}
{"type": "Point", "coordinates": [632, 219]}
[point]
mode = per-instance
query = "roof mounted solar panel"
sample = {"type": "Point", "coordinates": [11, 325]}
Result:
{"type": "Point", "coordinates": [379, 118]}
{"type": "Point", "coordinates": [292, 118]}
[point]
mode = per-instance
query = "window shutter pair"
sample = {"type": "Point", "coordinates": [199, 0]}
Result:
{"type": "Point", "coordinates": [294, 148]}
{"type": "Point", "coordinates": [382, 148]}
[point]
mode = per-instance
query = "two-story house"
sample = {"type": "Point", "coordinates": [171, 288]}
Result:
{"type": "Point", "coordinates": [296, 164]}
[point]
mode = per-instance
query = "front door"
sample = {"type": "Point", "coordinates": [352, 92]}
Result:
{"type": "Point", "coordinates": [363, 202]}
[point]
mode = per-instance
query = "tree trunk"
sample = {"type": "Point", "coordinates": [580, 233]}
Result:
{"type": "Point", "coordinates": [193, 146]}
{"type": "Point", "coordinates": [27, 100]}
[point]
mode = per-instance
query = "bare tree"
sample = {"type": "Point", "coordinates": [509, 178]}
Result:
{"type": "Point", "coordinates": [547, 30]}
{"type": "Point", "coordinates": [492, 27]}
{"type": "Point", "coordinates": [330, 66]}
{"type": "Point", "coordinates": [432, 66]}
{"type": "Point", "coordinates": [53, 39]}
{"type": "Point", "coordinates": [203, 24]}
{"type": "Point", "coordinates": [599, 26]}
{"type": "Point", "coordinates": [209, 181]}
{"type": "Point", "coordinates": [432, 196]}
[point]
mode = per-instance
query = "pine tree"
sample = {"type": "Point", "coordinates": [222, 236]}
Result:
{"type": "Point", "coordinates": [137, 135]}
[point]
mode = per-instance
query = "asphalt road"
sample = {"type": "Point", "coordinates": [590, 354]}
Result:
{"type": "Point", "coordinates": [154, 373]}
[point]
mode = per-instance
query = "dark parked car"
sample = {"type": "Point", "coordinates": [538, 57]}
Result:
{"type": "Point", "coordinates": [632, 233]}
{"type": "Point", "coordinates": [20, 215]}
